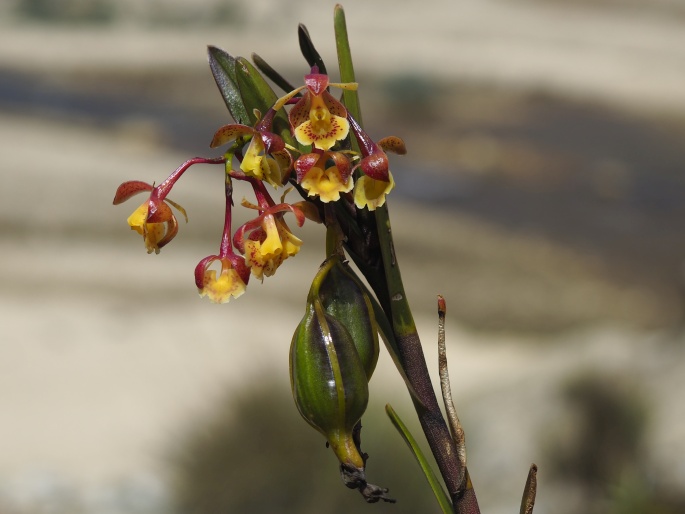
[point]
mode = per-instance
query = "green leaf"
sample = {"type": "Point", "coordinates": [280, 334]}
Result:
{"type": "Point", "coordinates": [433, 481]}
{"type": "Point", "coordinates": [254, 91]}
{"type": "Point", "coordinates": [223, 69]}
{"type": "Point", "coordinates": [272, 74]}
{"type": "Point", "coordinates": [342, 43]}
{"type": "Point", "coordinates": [257, 94]}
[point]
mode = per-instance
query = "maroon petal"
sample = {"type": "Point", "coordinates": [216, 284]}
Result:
{"type": "Point", "coordinates": [170, 233]}
{"type": "Point", "coordinates": [201, 268]}
{"type": "Point", "coordinates": [304, 163]}
{"type": "Point", "coordinates": [282, 207]}
{"type": "Point", "coordinates": [342, 162]}
{"type": "Point", "coordinates": [335, 107]}
{"type": "Point", "coordinates": [376, 166]}
{"type": "Point", "coordinates": [250, 226]}
{"type": "Point", "coordinates": [300, 111]}
{"type": "Point", "coordinates": [239, 265]}
{"type": "Point", "coordinates": [229, 133]}
{"type": "Point", "coordinates": [129, 189]}
{"type": "Point", "coordinates": [272, 142]}
{"type": "Point", "coordinates": [158, 211]}
{"type": "Point", "coordinates": [316, 82]}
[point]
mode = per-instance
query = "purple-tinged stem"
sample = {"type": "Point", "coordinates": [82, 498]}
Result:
{"type": "Point", "coordinates": [164, 188]}
{"type": "Point", "coordinates": [226, 247]}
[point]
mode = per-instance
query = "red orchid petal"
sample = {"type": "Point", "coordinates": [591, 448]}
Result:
{"type": "Point", "coordinates": [171, 231]}
{"type": "Point", "coordinates": [376, 166]}
{"type": "Point", "coordinates": [239, 235]}
{"type": "Point", "coordinates": [316, 82]}
{"type": "Point", "coordinates": [267, 121]}
{"type": "Point", "coordinates": [129, 189]}
{"type": "Point", "coordinates": [229, 133]}
{"type": "Point", "coordinates": [304, 163]}
{"type": "Point", "coordinates": [158, 211]}
{"type": "Point", "coordinates": [300, 111]}
{"type": "Point", "coordinates": [309, 210]}
{"type": "Point", "coordinates": [334, 106]}
{"type": "Point", "coordinates": [272, 142]}
{"type": "Point", "coordinates": [342, 162]}
{"type": "Point", "coordinates": [257, 234]}
{"type": "Point", "coordinates": [201, 268]}
{"type": "Point", "coordinates": [281, 207]}
{"type": "Point", "coordinates": [239, 265]}
{"type": "Point", "coordinates": [393, 144]}
{"type": "Point", "coordinates": [366, 144]}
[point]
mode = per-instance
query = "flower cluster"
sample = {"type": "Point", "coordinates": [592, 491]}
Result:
{"type": "Point", "coordinates": [325, 167]}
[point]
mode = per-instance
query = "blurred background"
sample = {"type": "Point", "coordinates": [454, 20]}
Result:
{"type": "Point", "coordinates": [542, 195]}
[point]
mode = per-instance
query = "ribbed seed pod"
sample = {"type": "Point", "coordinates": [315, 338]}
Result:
{"type": "Point", "coordinates": [332, 356]}
{"type": "Point", "coordinates": [344, 297]}
{"type": "Point", "coordinates": [328, 380]}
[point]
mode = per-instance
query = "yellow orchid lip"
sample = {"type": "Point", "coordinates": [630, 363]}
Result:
{"type": "Point", "coordinates": [230, 283]}
{"type": "Point", "coordinates": [220, 290]}
{"type": "Point", "coordinates": [327, 184]}
{"type": "Point", "coordinates": [323, 130]}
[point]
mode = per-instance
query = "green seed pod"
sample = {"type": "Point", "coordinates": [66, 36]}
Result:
{"type": "Point", "coordinates": [344, 297]}
{"type": "Point", "coordinates": [332, 356]}
{"type": "Point", "coordinates": [328, 380]}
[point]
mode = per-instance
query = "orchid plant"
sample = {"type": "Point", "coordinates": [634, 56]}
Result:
{"type": "Point", "coordinates": [310, 141]}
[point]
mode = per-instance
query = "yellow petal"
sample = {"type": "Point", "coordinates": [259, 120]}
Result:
{"type": "Point", "coordinates": [371, 193]}
{"type": "Point", "coordinates": [272, 174]}
{"type": "Point", "coordinates": [252, 160]}
{"type": "Point", "coordinates": [291, 248]}
{"type": "Point", "coordinates": [137, 220]}
{"type": "Point", "coordinates": [291, 243]}
{"type": "Point", "coordinates": [272, 243]}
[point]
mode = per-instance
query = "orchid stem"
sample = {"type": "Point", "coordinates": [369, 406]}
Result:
{"type": "Point", "coordinates": [166, 186]}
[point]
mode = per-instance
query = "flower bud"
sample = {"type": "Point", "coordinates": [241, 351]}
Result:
{"type": "Point", "coordinates": [344, 297]}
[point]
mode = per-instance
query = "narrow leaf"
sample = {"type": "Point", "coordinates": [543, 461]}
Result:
{"type": "Point", "coordinates": [342, 43]}
{"type": "Point", "coordinates": [272, 74]}
{"type": "Point", "coordinates": [257, 94]}
{"type": "Point", "coordinates": [223, 69]}
{"type": "Point", "coordinates": [433, 481]}
{"type": "Point", "coordinates": [308, 50]}
{"type": "Point", "coordinates": [254, 90]}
